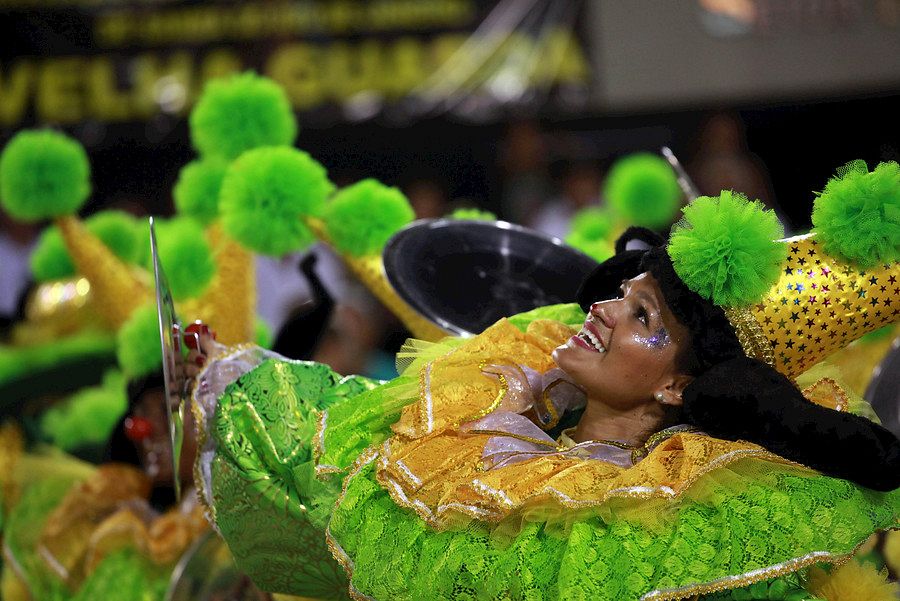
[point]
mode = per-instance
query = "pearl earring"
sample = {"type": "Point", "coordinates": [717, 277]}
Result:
{"type": "Point", "coordinates": [660, 397]}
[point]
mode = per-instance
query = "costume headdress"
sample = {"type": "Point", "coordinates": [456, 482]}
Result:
{"type": "Point", "coordinates": [763, 310]}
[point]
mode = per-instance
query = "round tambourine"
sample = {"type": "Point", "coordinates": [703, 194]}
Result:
{"type": "Point", "coordinates": [465, 275]}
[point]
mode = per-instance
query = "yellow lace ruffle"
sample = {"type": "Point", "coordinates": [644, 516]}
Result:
{"type": "Point", "coordinates": [435, 469]}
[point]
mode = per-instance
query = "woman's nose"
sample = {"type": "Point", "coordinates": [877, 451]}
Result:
{"type": "Point", "coordinates": [605, 312]}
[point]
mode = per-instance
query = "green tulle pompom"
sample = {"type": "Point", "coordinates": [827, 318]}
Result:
{"type": "Point", "coordinates": [185, 256]}
{"type": "Point", "coordinates": [50, 259]}
{"type": "Point", "coordinates": [591, 231]}
{"type": "Point", "coordinates": [240, 112]}
{"type": "Point", "coordinates": [644, 190]}
{"type": "Point", "coordinates": [43, 174]}
{"type": "Point", "coordinates": [266, 193]}
{"type": "Point", "coordinates": [262, 333]}
{"type": "Point", "coordinates": [119, 231]}
{"type": "Point", "coordinates": [362, 217]}
{"type": "Point", "coordinates": [196, 192]}
{"type": "Point", "coordinates": [88, 416]}
{"type": "Point", "coordinates": [726, 250]}
{"type": "Point", "coordinates": [857, 215]}
{"type": "Point", "coordinates": [138, 347]}
{"type": "Point", "coordinates": [473, 215]}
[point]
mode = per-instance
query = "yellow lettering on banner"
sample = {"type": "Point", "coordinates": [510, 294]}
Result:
{"type": "Point", "coordinates": [563, 59]}
{"type": "Point", "coordinates": [219, 63]}
{"type": "Point", "coordinates": [295, 67]}
{"type": "Point", "coordinates": [444, 47]}
{"type": "Point", "coordinates": [15, 90]}
{"type": "Point", "coordinates": [353, 69]}
{"type": "Point", "coordinates": [107, 102]}
{"type": "Point", "coordinates": [340, 16]}
{"type": "Point", "coordinates": [113, 28]}
{"type": "Point", "coordinates": [60, 97]}
{"type": "Point", "coordinates": [405, 67]}
{"type": "Point", "coordinates": [249, 22]}
{"type": "Point", "coordinates": [151, 71]}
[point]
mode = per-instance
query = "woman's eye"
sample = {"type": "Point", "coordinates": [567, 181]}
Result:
{"type": "Point", "coordinates": [643, 316]}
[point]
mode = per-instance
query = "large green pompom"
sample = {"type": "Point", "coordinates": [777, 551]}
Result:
{"type": "Point", "coordinates": [361, 218]}
{"type": "Point", "coordinates": [196, 192]}
{"type": "Point", "coordinates": [591, 233]}
{"type": "Point", "coordinates": [240, 112]}
{"type": "Point", "coordinates": [644, 190]}
{"type": "Point", "coordinates": [138, 346]}
{"type": "Point", "coordinates": [43, 174]}
{"type": "Point", "coordinates": [185, 256]}
{"type": "Point", "coordinates": [266, 192]}
{"type": "Point", "coordinates": [119, 231]}
{"type": "Point", "coordinates": [50, 259]}
{"type": "Point", "coordinates": [726, 250]}
{"type": "Point", "coordinates": [857, 215]}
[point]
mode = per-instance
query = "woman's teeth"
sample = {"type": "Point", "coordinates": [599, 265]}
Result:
{"type": "Point", "coordinates": [589, 337]}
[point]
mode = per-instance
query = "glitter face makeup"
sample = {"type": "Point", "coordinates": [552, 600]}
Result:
{"type": "Point", "coordinates": [659, 339]}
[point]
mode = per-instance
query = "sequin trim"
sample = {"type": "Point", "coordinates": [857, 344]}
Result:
{"type": "Point", "coordinates": [750, 334]}
{"type": "Point", "coordinates": [521, 437]}
{"type": "Point", "coordinates": [548, 404]}
{"type": "Point", "coordinates": [844, 401]}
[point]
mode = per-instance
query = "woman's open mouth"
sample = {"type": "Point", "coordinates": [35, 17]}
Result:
{"type": "Point", "coordinates": [592, 342]}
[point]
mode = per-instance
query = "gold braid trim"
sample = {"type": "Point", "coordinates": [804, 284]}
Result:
{"type": "Point", "coordinates": [750, 334]}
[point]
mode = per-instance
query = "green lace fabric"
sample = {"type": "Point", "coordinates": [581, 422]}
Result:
{"type": "Point", "coordinates": [269, 506]}
{"type": "Point", "coordinates": [285, 501]}
{"type": "Point", "coordinates": [750, 522]}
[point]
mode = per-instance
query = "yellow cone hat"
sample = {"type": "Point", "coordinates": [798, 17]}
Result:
{"type": "Point", "coordinates": [819, 305]}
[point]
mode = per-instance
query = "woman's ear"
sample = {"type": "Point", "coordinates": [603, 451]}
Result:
{"type": "Point", "coordinates": [671, 393]}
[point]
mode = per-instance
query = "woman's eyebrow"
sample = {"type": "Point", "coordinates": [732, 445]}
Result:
{"type": "Point", "coordinates": [648, 298]}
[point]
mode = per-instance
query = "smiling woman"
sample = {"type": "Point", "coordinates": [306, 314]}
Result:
{"type": "Point", "coordinates": [690, 466]}
{"type": "Point", "coordinates": [626, 358]}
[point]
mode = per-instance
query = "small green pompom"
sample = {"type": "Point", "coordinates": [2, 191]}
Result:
{"type": "Point", "coordinates": [473, 215]}
{"type": "Point", "coordinates": [240, 112]}
{"type": "Point", "coordinates": [43, 174]}
{"type": "Point", "coordinates": [591, 232]}
{"type": "Point", "coordinates": [262, 333]}
{"type": "Point", "coordinates": [196, 192]}
{"type": "Point", "coordinates": [644, 190]}
{"type": "Point", "coordinates": [138, 346]}
{"type": "Point", "coordinates": [726, 249]}
{"type": "Point", "coordinates": [857, 215]}
{"type": "Point", "coordinates": [50, 259]}
{"type": "Point", "coordinates": [88, 416]}
{"type": "Point", "coordinates": [266, 193]}
{"type": "Point", "coordinates": [361, 218]}
{"type": "Point", "coordinates": [119, 231]}
{"type": "Point", "coordinates": [185, 256]}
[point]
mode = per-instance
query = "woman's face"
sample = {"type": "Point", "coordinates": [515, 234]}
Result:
{"type": "Point", "coordinates": [626, 353]}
